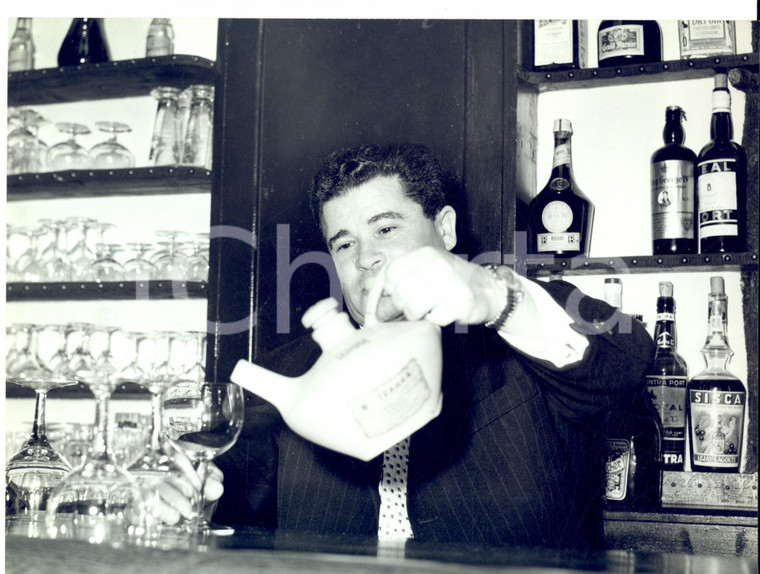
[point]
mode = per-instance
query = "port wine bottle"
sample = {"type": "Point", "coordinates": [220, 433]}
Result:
{"type": "Point", "coordinates": [560, 217]}
{"type": "Point", "coordinates": [716, 398]}
{"type": "Point", "coordinates": [722, 180]}
{"type": "Point", "coordinates": [666, 381]}
{"type": "Point", "coordinates": [673, 182]}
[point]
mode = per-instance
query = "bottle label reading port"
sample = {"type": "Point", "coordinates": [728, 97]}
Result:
{"type": "Point", "coordinates": [625, 40]}
{"type": "Point", "coordinates": [716, 427]}
{"type": "Point", "coordinates": [669, 397]}
{"type": "Point", "coordinates": [716, 190]}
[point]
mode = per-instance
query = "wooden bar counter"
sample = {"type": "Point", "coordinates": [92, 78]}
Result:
{"type": "Point", "coordinates": [253, 551]}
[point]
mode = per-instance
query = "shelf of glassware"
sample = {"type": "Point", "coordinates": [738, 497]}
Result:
{"type": "Point", "coordinates": [117, 79]}
{"type": "Point", "coordinates": [671, 70]}
{"type": "Point", "coordinates": [160, 180]}
{"type": "Point", "coordinates": [117, 290]}
{"type": "Point", "coordinates": [548, 265]}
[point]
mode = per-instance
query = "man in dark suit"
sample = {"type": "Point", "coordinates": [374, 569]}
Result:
{"type": "Point", "coordinates": [509, 460]}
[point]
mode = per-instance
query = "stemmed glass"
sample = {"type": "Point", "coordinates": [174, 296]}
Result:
{"type": "Point", "coordinates": [197, 371]}
{"type": "Point", "coordinates": [110, 154]}
{"type": "Point", "coordinates": [203, 420]}
{"type": "Point", "coordinates": [169, 260]}
{"type": "Point", "coordinates": [28, 265]}
{"type": "Point", "coordinates": [105, 267]}
{"type": "Point", "coordinates": [25, 149]}
{"type": "Point", "coordinates": [69, 154]}
{"type": "Point", "coordinates": [139, 268]}
{"type": "Point", "coordinates": [33, 472]}
{"type": "Point", "coordinates": [196, 264]}
{"type": "Point", "coordinates": [54, 258]}
{"type": "Point", "coordinates": [99, 501]}
{"type": "Point", "coordinates": [81, 256]}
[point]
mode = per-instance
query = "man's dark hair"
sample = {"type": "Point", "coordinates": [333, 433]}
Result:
{"type": "Point", "coordinates": [420, 173]}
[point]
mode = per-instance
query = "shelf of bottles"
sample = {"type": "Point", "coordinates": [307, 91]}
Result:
{"type": "Point", "coordinates": [116, 290]}
{"type": "Point", "coordinates": [159, 180]}
{"type": "Point", "coordinates": [117, 79]}
{"type": "Point", "coordinates": [671, 70]}
{"type": "Point", "coordinates": [538, 266]}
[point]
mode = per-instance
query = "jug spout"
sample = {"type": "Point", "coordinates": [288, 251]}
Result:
{"type": "Point", "coordinates": [272, 387]}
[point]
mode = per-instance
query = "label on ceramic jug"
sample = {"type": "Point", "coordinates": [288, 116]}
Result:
{"type": "Point", "coordinates": [393, 402]}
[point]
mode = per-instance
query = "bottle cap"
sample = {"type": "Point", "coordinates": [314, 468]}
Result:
{"type": "Point", "coordinates": [613, 280]}
{"type": "Point", "coordinates": [666, 289]}
{"type": "Point", "coordinates": [717, 285]}
{"type": "Point", "coordinates": [563, 125]}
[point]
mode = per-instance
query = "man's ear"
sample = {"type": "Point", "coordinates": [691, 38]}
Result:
{"type": "Point", "coordinates": [446, 226]}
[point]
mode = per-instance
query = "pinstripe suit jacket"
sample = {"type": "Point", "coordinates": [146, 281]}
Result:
{"type": "Point", "coordinates": [508, 461]}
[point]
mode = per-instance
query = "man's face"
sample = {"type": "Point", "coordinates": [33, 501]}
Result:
{"type": "Point", "coordinates": [367, 227]}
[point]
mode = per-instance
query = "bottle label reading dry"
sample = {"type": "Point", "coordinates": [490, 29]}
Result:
{"type": "Point", "coordinates": [623, 40]}
{"type": "Point", "coordinates": [616, 468]}
{"type": "Point", "coordinates": [716, 190]}
{"type": "Point", "coordinates": [706, 38]}
{"type": "Point", "coordinates": [716, 427]}
{"type": "Point", "coordinates": [394, 401]}
{"type": "Point", "coordinates": [673, 200]}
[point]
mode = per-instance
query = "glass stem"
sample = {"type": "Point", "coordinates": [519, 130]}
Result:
{"type": "Point", "coordinates": [155, 430]}
{"type": "Point", "coordinates": [202, 470]}
{"type": "Point", "coordinates": [100, 446]}
{"type": "Point", "coordinates": [38, 426]}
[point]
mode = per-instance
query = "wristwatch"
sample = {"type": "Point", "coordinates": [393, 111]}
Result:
{"type": "Point", "coordinates": [513, 293]}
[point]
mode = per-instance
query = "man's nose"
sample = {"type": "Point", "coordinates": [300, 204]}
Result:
{"type": "Point", "coordinates": [370, 258]}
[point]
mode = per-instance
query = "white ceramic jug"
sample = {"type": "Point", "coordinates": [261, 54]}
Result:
{"type": "Point", "coordinates": [370, 388]}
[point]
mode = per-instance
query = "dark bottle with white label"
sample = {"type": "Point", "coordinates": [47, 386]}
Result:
{"type": "Point", "coordinates": [560, 217]}
{"type": "Point", "coordinates": [722, 180]}
{"type": "Point", "coordinates": [621, 42]}
{"type": "Point", "coordinates": [559, 44]}
{"type": "Point", "coordinates": [85, 43]}
{"type": "Point", "coordinates": [673, 184]}
{"type": "Point", "coordinates": [666, 381]}
{"type": "Point", "coordinates": [716, 398]}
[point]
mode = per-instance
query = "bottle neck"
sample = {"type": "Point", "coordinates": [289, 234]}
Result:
{"type": "Point", "coordinates": [562, 165]}
{"type": "Point", "coordinates": [24, 24]}
{"type": "Point", "coordinates": [721, 127]}
{"type": "Point", "coordinates": [673, 133]}
{"type": "Point", "coordinates": [665, 328]}
{"type": "Point", "coordinates": [716, 350]}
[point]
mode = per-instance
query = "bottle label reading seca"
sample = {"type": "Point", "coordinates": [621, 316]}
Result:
{"type": "Point", "coordinates": [673, 199]}
{"type": "Point", "coordinates": [716, 189]}
{"type": "Point", "coordinates": [625, 40]}
{"type": "Point", "coordinates": [557, 217]}
{"type": "Point", "coordinates": [716, 427]}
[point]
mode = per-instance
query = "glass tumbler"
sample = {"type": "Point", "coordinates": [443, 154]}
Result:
{"type": "Point", "coordinates": [196, 147]}
{"type": "Point", "coordinates": [165, 144]}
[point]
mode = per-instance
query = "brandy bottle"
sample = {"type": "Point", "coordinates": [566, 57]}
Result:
{"type": "Point", "coordinates": [673, 185]}
{"type": "Point", "coordinates": [560, 217]}
{"type": "Point", "coordinates": [622, 42]}
{"type": "Point", "coordinates": [716, 398]}
{"type": "Point", "coordinates": [85, 43]}
{"type": "Point", "coordinates": [722, 180]}
{"type": "Point", "coordinates": [666, 381]}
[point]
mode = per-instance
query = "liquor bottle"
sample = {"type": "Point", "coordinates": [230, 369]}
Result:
{"type": "Point", "coordinates": [560, 44]}
{"type": "Point", "coordinates": [666, 381]}
{"type": "Point", "coordinates": [560, 217]}
{"type": "Point", "coordinates": [160, 40]}
{"type": "Point", "coordinates": [631, 438]}
{"type": "Point", "coordinates": [21, 49]}
{"type": "Point", "coordinates": [622, 42]}
{"type": "Point", "coordinates": [85, 43]}
{"type": "Point", "coordinates": [716, 398]}
{"type": "Point", "coordinates": [673, 187]}
{"type": "Point", "coordinates": [722, 180]}
{"type": "Point", "coordinates": [700, 38]}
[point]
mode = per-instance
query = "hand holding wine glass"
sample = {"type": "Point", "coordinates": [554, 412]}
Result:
{"type": "Point", "coordinates": [203, 420]}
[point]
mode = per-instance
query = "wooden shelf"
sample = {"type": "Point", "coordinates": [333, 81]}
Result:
{"type": "Point", "coordinates": [671, 70]}
{"type": "Point", "coordinates": [161, 180]}
{"type": "Point", "coordinates": [118, 79]}
{"type": "Point", "coordinates": [122, 290]}
{"type": "Point", "coordinates": [548, 265]}
{"type": "Point", "coordinates": [124, 391]}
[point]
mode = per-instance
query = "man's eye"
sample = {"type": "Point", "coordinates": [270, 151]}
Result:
{"type": "Point", "coordinates": [386, 230]}
{"type": "Point", "coordinates": [343, 246]}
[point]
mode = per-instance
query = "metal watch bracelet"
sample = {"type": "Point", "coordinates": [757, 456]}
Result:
{"type": "Point", "coordinates": [514, 293]}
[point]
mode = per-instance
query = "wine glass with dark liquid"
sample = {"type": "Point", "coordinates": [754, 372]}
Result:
{"type": "Point", "coordinates": [203, 420]}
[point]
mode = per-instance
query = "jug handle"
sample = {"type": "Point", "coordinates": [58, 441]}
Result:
{"type": "Point", "coordinates": [373, 299]}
